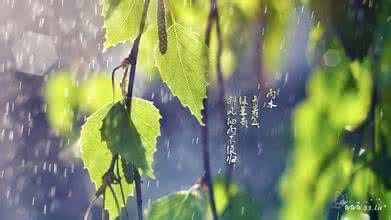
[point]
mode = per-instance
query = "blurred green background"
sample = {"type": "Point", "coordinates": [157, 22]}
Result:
{"type": "Point", "coordinates": [325, 151]}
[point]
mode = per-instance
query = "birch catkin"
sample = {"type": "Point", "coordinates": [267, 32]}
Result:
{"type": "Point", "coordinates": [161, 24]}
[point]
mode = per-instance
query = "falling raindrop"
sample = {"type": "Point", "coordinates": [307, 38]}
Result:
{"type": "Point", "coordinates": [52, 193]}
{"type": "Point", "coordinates": [11, 136]}
{"type": "Point", "coordinates": [44, 209]}
{"type": "Point", "coordinates": [69, 193]}
{"type": "Point", "coordinates": [21, 130]}
{"type": "Point", "coordinates": [8, 193]}
{"type": "Point", "coordinates": [54, 168]}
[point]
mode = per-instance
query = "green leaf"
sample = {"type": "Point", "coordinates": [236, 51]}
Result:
{"type": "Point", "coordinates": [228, 59]}
{"type": "Point", "coordinates": [146, 51]}
{"type": "Point", "coordinates": [355, 215]}
{"type": "Point", "coordinates": [361, 184]}
{"type": "Point", "coordinates": [339, 97]}
{"type": "Point", "coordinates": [178, 206]}
{"type": "Point", "coordinates": [276, 36]}
{"type": "Point", "coordinates": [135, 140]}
{"type": "Point", "coordinates": [220, 193]}
{"type": "Point", "coordinates": [61, 96]}
{"type": "Point", "coordinates": [122, 137]}
{"type": "Point", "coordinates": [146, 117]}
{"type": "Point", "coordinates": [97, 156]}
{"type": "Point", "coordinates": [184, 68]}
{"type": "Point", "coordinates": [235, 205]}
{"type": "Point", "coordinates": [128, 171]}
{"type": "Point", "coordinates": [96, 92]}
{"type": "Point", "coordinates": [385, 201]}
{"type": "Point", "coordinates": [344, 91]}
{"type": "Point", "coordinates": [248, 8]}
{"type": "Point", "coordinates": [109, 131]}
{"type": "Point", "coordinates": [194, 204]}
{"type": "Point", "coordinates": [121, 20]}
{"type": "Point", "coordinates": [241, 207]}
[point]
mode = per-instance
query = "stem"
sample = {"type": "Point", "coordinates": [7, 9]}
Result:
{"type": "Point", "coordinates": [103, 206]}
{"type": "Point", "coordinates": [206, 158]}
{"type": "Point", "coordinates": [210, 23]}
{"type": "Point", "coordinates": [90, 207]}
{"type": "Point", "coordinates": [220, 79]}
{"type": "Point", "coordinates": [113, 80]}
{"type": "Point", "coordinates": [132, 60]}
{"type": "Point", "coordinates": [109, 176]}
{"type": "Point", "coordinates": [115, 199]}
{"type": "Point", "coordinates": [213, 17]}
{"type": "Point", "coordinates": [121, 188]}
{"type": "Point", "coordinates": [372, 117]}
{"type": "Point", "coordinates": [221, 86]}
{"type": "Point", "coordinates": [112, 163]}
{"type": "Point", "coordinates": [137, 180]}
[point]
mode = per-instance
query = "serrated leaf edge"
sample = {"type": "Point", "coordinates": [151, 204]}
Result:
{"type": "Point", "coordinates": [105, 44]}
{"type": "Point", "coordinates": [152, 176]}
{"type": "Point", "coordinates": [206, 81]}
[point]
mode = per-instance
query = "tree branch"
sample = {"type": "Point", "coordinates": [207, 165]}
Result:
{"type": "Point", "coordinates": [139, 199]}
{"type": "Point", "coordinates": [103, 206]}
{"type": "Point", "coordinates": [121, 188]}
{"type": "Point", "coordinates": [207, 179]}
{"type": "Point", "coordinates": [220, 80]}
{"type": "Point", "coordinates": [132, 60]}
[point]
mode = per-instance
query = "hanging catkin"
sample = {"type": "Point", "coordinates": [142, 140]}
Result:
{"type": "Point", "coordinates": [161, 24]}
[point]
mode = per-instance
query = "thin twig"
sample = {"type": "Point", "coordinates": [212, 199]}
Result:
{"type": "Point", "coordinates": [137, 180]}
{"type": "Point", "coordinates": [113, 80]}
{"type": "Point", "coordinates": [132, 58]}
{"type": "Point", "coordinates": [121, 188]}
{"type": "Point", "coordinates": [210, 24]}
{"type": "Point", "coordinates": [207, 179]}
{"type": "Point", "coordinates": [115, 199]}
{"type": "Point", "coordinates": [220, 80]}
{"type": "Point", "coordinates": [123, 81]}
{"type": "Point", "coordinates": [103, 206]}
{"type": "Point", "coordinates": [87, 213]}
{"type": "Point", "coordinates": [221, 86]}
{"type": "Point", "coordinates": [132, 61]}
{"type": "Point", "coordinates": [372, 111]}
{"type": "Point", "coordinates": [107, 179]}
